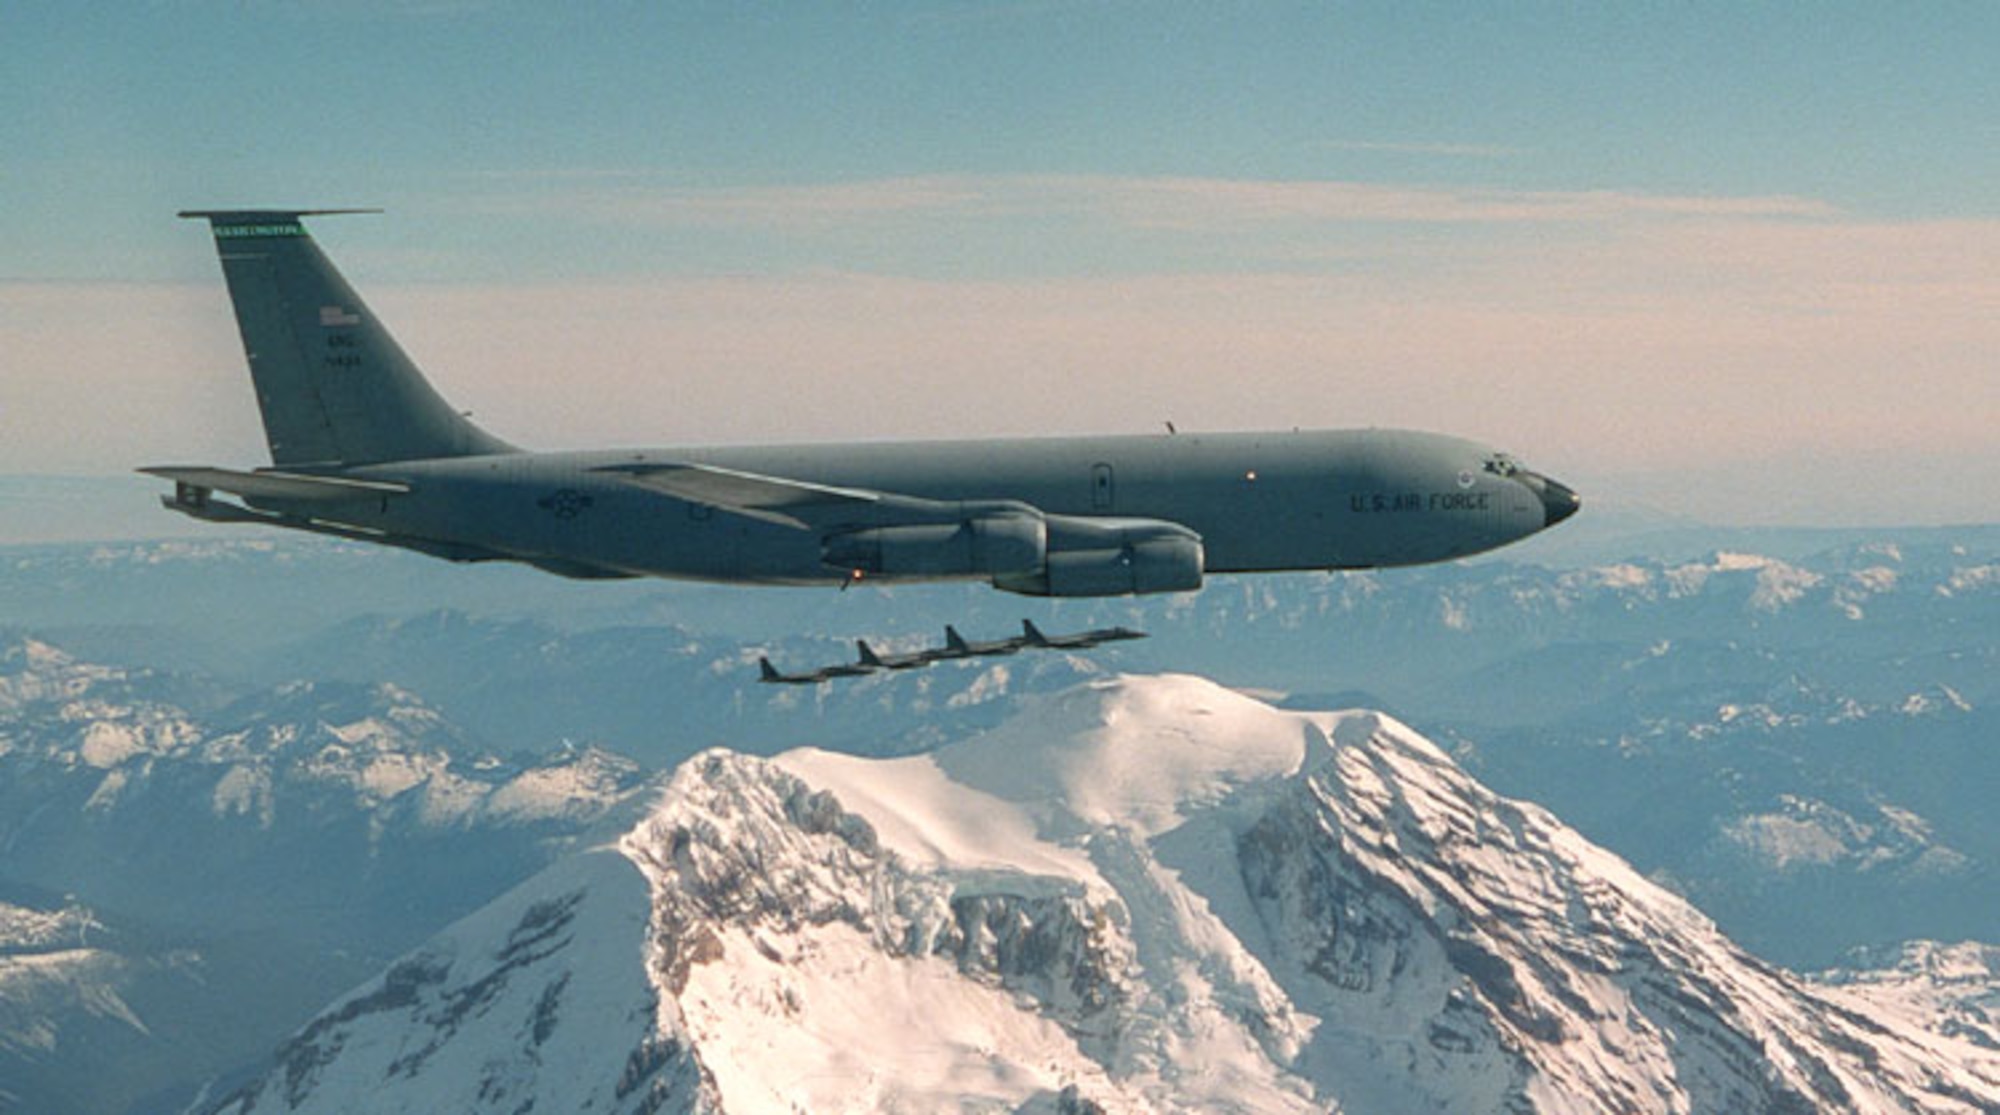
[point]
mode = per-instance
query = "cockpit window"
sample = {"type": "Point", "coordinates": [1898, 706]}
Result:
{"type": "Point", "coordinates": [1500, 464]}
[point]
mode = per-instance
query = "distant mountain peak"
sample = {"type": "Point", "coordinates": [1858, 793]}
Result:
{"type": "Point", "coordinates": [36, 655]}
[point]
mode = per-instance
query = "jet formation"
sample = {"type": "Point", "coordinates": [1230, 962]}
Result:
{"type": "Point", "coordinates": [364, 448]}
{"type": "Point", "coordinates": [956, 647]}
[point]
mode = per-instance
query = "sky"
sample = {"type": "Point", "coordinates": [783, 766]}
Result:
{"type": "Point", "coordinates": [1738, 263]}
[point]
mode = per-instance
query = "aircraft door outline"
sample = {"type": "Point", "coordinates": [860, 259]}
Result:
{"type": "Point", "coordinates": [1103, 487]}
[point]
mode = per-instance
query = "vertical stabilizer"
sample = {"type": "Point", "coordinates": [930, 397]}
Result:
{"type": "Point", "coordinates": [333, 385]}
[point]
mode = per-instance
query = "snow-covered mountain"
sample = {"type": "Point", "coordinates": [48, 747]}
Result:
{"type": "Point", "coordinates": [1144, 894]}
{"type": "Point", "coordinates": [94, 1015]}
{"type": "Point", "coordinates": [52, 979]}
{"type": "Point", "coordinates": [256, 855]}
{"type": "Point", "coordinates": [310, 802]}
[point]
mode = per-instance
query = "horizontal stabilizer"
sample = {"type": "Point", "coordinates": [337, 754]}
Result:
{"type": "Point", "coordinates": [262, 216]}
{"type": "Point", "coordinates": [276, 485]}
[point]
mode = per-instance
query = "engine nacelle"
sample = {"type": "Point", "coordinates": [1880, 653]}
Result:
{"type": "Point", "coordinates": [1113, 557]}
{"type": "Point", "coordinates": [988, 546]}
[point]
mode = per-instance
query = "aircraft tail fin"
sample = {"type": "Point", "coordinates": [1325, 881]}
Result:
{"type": "Point", "coordinates": [769, 672]}
{"type": "Point", "coordinates": [333, 385]}
{"type": "Point", "coordinates": [953, 640]}
{"type": "Point", "coordinates": [868, 655]}
{"type": "Point", "coordinates": [1033, 634]}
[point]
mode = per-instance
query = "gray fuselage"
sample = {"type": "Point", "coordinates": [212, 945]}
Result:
{"type": "Point", "coordinates": [1260, 502]}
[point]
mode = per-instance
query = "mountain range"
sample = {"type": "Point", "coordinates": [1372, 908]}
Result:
{"type": "Point", "coordinates": [1722, 720]}
{"type": "Point", "coordinates": [252, 774]}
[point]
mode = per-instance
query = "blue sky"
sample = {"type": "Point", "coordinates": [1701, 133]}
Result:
{"type": "Point", "coordinates": [1751, 245]}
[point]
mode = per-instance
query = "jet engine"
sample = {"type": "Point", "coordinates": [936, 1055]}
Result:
{"type": "Point", "coordinates": [1036, 555]}
{"type": "Point", "coordinates": [1112, 557]}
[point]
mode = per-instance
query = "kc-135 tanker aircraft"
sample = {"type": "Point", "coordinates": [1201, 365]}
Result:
{"type": "Point", "coordinates": [362, 447]}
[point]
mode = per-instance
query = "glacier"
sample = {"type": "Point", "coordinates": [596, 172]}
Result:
{"type": "Point", "coordinates": [1145, 893]}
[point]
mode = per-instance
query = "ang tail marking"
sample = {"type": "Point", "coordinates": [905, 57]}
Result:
{"type": "Point", "coordinates": [334, 387]}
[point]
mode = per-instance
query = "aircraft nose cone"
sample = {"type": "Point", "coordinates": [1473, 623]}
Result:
{"type": "Point", "coordinates": [1559, 502]}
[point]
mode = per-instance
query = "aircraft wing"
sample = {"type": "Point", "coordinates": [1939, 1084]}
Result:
{"type": "Point", "coordinates": [276, 485]}
{"type": "Point", "coordinates": [773, 499]}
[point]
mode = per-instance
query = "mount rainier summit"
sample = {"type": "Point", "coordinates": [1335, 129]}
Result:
{"type": "Point", "coordinates": [1141, 894]}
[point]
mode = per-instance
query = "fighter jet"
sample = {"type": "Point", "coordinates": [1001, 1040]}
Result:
{"type": "Point", "coordinates": [874, 661]}
{"type": "Point", "coordinates": [1033, 636]}
{"type": "Point", "coordinates": [958, 646]}
{"type": "Point", "coordinates": [364, 448]}
{"type": "Point", "coordinates": [825, 673]}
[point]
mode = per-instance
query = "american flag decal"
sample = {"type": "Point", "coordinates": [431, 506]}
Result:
{"type": "Point", "coordinates": [331, 316]}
